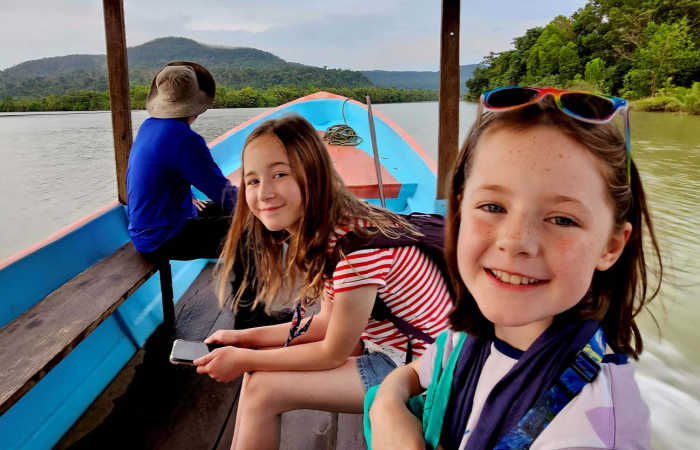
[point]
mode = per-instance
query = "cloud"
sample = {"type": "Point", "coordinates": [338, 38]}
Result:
{"type": "Point", "coordinates": [363, 34]}
{"type": "Point", "coordinates": [209, 25]}
{"type": "Point", "coordinates": [32, 30]}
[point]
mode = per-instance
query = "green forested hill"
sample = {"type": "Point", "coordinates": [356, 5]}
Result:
{"type": "Point", "coordinates": [54, 67]}
{"type": "Point", "coordinates": [232, 67]}
{"type": "Point", "coordinates": [414, 79]}
{"type": "Point", "coordinates": [158, 52]}
{"type": "Point", "coordinates": [631, 48]}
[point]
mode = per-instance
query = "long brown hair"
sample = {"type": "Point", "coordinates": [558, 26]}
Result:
{"type": "Point", "coordinates": [618, 294]}
{"type": "Point", "coordinates": [327, 203]}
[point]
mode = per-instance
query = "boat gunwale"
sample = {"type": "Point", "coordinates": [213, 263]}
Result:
{"type": "Point", "coordinates": [33, 248]}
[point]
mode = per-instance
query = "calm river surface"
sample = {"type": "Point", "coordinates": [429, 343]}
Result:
{"type": "Point", "coordinates": [55, 168]}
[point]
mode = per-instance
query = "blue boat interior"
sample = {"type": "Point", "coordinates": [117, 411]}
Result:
{"type": "Point", "coordinates": [47, 411]}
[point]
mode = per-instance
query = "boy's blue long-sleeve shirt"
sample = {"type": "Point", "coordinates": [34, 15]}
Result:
{"type": "Point", "coordinates": [167, 158]}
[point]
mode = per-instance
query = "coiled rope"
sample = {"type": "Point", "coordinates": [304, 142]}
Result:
{"type": "Point", "coordinates": [342, 134]}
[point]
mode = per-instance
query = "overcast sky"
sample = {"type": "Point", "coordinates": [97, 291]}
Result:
{"type": "Point", "coordinates": [358, 35]}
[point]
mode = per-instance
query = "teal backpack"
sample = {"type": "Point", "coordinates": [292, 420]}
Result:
{"type": "Point", "coordinates": [433, 405]}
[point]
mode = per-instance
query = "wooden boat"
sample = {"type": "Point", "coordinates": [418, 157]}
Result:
{"type": "Point", "coordinates": [41, 416]}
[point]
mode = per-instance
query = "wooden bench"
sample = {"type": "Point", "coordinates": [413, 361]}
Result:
{"type": "Point", "coordinates": [36, 341]}
{"type": "Point", "coordinates": [357, 169]}
{"type": "Point", "coordinates": [200, 413]}
{"type": "Point", "coordinates": [320, 430]}
{"type": "Point", "coordinates": [154, 404]}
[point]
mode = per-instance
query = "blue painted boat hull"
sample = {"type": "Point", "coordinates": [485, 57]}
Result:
{"type": "Point", "coordinates": [49, 409]}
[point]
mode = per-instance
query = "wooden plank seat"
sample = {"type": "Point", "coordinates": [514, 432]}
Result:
{"type": "Point", "coordinates": [36, 341]}
{"type": "Point", "coordinates": [321, 430]}
{"type": "Point", "coordinates": [154, 404]}
{"type": "Point", "coordinates": [357, 170]}
{"type": "Point", "coordinates": [162, 405]}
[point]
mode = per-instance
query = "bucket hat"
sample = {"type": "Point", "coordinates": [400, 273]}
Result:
{"type": "Point", "coordinates": [180, 89]}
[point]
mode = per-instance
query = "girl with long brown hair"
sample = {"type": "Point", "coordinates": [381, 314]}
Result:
{"type": "Point", "coordinates": [292, 210]}
{"type": "Point", "coordinates": [544, 240]}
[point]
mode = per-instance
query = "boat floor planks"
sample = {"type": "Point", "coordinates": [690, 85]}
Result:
{"type": "Point", "coordinates": [157, 405]}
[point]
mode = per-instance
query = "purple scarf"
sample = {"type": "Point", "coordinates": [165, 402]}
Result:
{"type": "Point", "coordinates": [534, 373]}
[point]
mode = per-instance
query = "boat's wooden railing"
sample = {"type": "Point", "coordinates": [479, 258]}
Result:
{"type": "Point", "coordinates": [41, 337]}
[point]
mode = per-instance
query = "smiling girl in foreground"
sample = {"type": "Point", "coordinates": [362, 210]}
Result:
{"type": "Point", "coordinates": [291, 196]}
{"type": "Point", "coordinates": [544, 238]}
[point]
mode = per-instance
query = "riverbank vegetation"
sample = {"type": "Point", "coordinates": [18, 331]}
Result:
{"type": "Point", "coordinates": [225, 98]}
{"type": "Point", "coordinates": [672, 99]}
{"type": "Point", "coordinates": [646, 51]}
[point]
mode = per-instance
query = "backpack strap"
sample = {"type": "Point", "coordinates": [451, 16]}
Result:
{"type": "Point", "coordinates": [583, 370]}
{"type": "Point", "coordinates": [382, 312]}
{"type": "Point", "coordinates": [438, 393]}
{"type": "Point", "coordinates": [431, 407]}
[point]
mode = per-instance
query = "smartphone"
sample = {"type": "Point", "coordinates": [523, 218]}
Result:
{"type": "Point", "coordinates": [185, 352]}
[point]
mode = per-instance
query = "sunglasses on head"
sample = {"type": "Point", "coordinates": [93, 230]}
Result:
{"type": "Point", "coordinates": [581, 105]}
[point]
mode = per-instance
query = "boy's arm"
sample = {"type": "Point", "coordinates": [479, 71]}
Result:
{"type": "Point", "coordinates": [393, 425]}
{"type": "Point", "coordinates": [197, 166]}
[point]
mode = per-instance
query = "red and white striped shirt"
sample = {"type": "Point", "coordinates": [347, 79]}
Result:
{"type": "Point", "coordinates": [408, 282]}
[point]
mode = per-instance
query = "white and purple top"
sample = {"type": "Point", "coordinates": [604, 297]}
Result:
{"type": "Point", "coordinates": [608, 413]}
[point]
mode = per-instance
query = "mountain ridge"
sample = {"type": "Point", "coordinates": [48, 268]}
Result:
{"type": "Point", "coordinates": [413, 79]}
{"type": "Point", "coordinates": [233, 67]}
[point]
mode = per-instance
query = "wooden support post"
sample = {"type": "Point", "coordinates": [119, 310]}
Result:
{"type": "Point", "coordinates": [448, 134]}
{"type": "Point", "coordinates": [166, 290]}
{"type": "Point", "coordinates": [118, 74]}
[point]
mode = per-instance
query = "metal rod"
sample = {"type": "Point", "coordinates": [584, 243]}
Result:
{"type": "Point", "coordinates": [377, 165]}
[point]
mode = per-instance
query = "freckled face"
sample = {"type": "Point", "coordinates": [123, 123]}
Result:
{"type": "Point", "coordinates": [535, 224]}
{"type": "Point", "coordinates": [271, 192]}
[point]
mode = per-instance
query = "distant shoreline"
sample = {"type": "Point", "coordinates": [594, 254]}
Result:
{"type": "Point", "coordinates": [50, 113]}
{"type": "Point", "coordinates": [107, 111]}
{"type": "Point", "coordinates": [667, 104]}
{"type": "Point", "coordinates": [657, 104]}
{"type": "Point", "coordinates": [225, 98]}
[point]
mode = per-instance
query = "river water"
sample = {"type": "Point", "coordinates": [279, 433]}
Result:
{"type": "Point", "coordinates": [55, 168]}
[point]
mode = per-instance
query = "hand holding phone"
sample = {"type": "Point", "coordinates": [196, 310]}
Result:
{"type": "Point", "coordinates": [185, 352]}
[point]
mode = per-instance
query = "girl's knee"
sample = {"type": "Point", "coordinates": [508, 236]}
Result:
{"type": "Point", "coordinates": [259, 391]}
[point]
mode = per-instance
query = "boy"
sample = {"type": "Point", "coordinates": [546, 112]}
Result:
{"type": "Point", "coordinates": [167, 158]}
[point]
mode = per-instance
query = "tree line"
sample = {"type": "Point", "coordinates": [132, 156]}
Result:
{"type": "Point", "coordinates": [12, 85]}
{"type": "Point", "coordinates": [646, 49]}
{"type": "Point", "coordinates": [248, 97]}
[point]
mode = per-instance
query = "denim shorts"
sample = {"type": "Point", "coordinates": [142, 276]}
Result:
{"type": "Point", "coordinates": [373, 368]}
